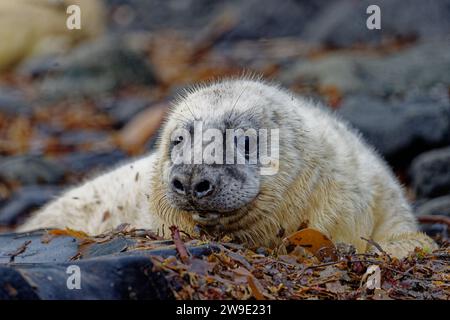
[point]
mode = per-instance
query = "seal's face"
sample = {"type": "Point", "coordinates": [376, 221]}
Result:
{"type": "Point", "coordinates": [214, 168]}
{"type": "Point", "coordinates": [210, 146]}
{"type": "Point", "coordinates": [217, 179]}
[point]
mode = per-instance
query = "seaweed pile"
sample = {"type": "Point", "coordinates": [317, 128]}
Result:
{"type": "Point", "coordinates": [306, 266]}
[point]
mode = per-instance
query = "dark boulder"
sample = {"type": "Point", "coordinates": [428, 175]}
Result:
{"type": "Point", "coordinates": [435, 230]}
{"type": "Point", "coordinates": [417, 72]}
{"type": "Point", "coordinates": [94, 68]}
{"type": "Point", "coordinates": [122, 110]}
{"type": "Point", "coordinates": [13, 286]}
{"type": "Point", "coordinates": [34, 265]}
{"type": "Point", "coordinates": [77, 138]}
{"type": "Point", "coordinates": [40, 248]}
{"type": "Point", "coordinates": [338, 23]}
{"type": "Point", "coordinates": [399, 131]}
{"type": "Point", "coordinates": [13, 101]}
{"type": "Point", "coordinates": [88, 161]}
{"type": "Point", "coordinates": [24, 201]}
{"type": "Point", "coordinates": [30, 169]}
{"type": "Point", "coordinates": [117, 278]}
{"type": "Point", "coordinates": [436, 206]}
{"type": "Point", "coordinates": [343, 23]}
{"type": "Point", "coordinates": [430, 174]}
{"type": "Point", "coordinates": [253, 19]}
{"type": "Point", "coordinates": [35, 248]}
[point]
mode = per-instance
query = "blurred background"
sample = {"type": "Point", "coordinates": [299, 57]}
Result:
{"type": "Point", "coordinates": [74, 102]}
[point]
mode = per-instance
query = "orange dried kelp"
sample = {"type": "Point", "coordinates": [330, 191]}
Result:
{"type": "Point", "coordinates": [238, 273]}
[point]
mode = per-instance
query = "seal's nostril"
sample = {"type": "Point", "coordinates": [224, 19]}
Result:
{"type": "Point", "coordinates": [202, 189]}
{"type": "Point", "coordinates": [177, 186]}
{"type": "Point", "coordinates": [202, 186]}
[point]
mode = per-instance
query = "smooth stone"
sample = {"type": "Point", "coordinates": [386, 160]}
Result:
{"type": "Point", "coordinates": [94, 69]}
{"type": "Point", "coordinates": [30, 169]}
{"type": "Point", "coordinates": [430, 174]}
{"type": "Point", "coordinates": [399, 130]}
{"type": "Point", "coordinates": [116, 278]}
{"type": "Point", "coordinates": [24, 201]}
{"type": "Point", "coordinates": [87, 161]}
{"type": "Point", "coordinates": [436, 206]}
{"type": "Point", "coordinates": [123, 110]}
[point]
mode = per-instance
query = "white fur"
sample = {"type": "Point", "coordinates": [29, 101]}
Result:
{"type": "Point", "coordinates": [99, 205]}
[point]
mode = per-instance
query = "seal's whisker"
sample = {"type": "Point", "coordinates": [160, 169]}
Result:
{"type": "Point", "coordinates": [184, 121]}
{"type": "Point", "coordinates": [237, 100]}
{"type": "Point", "coordinates": [180, 114]}
{"type": "Point", "coordinates": [248, 112]}
{"type": "Point", "coordinates": [187, 106]}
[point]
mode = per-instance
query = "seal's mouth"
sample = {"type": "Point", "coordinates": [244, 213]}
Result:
{"type": "Point", "coordinates": [207, 218]}
{"type": "Point", "coordinates": [211, 218]}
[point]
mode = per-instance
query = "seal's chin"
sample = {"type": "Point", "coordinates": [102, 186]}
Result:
{"type": "Point", "coordinates": [206, 218]}
{"type": "Point", "coordinates": [216, 217]}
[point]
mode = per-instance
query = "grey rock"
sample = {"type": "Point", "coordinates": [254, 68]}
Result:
{"type": "Point", "coordinates": [13, 101]}
{"type": "Point", "coordinates": [268, 19]}
{"type": "Point", "coordinates": [76, 138]}
{"type": "Point", "coordinates": [67, 140]}
{"type": "Point", "coordinates": [59, 249]}
{"type": "Point", "coordinates": [253, 19]}
{"type": "Point", "coordinates": [337, 70]}
{"type": "Point", "coordinates": [430, 174]}
{"type": "Point", "coordinates": [435, 230]}
{"type": "Point", "coordinates": [38, 66]}
{"type": "Point", "coordinates": [87, 161]}
{"type": "Point", "coordinates": [436, 206]}
{"type": "Point", "coordinates": [30, 169]}
{"type": "Point", "coordinates": [62, 248]}
{"type": "Point", "coordinates": [111, 278]}
{"type": "Point", "coordinates": [10, 277]}
{"type": "Point", "coordinates": [343, 23]}
{"type": "Point", "coordinates": [402, 130]}
{"type": "Point", "coordinates": [421, 69]}
{"type": "Point", "coordinates": [96, 68]}
{"type": "Point", "coordinates": [337, 23]}
{"type": "Point", "coordinates": [108, 270]}
{"type": "Point", "coordinates": [22, 202]}
{"type": "Point", "coordinates": [156, 14]}
{"type": "Point", "coordinates": [122, 110]}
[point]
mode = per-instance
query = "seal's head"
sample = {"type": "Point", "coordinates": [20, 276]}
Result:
{"type": "Point", "coordinates": [210, 169]}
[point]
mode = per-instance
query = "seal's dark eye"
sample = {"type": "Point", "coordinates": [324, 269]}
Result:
{"type": "Point", "coordinates": [246, 144]}
{"type": "Point", "coordinates": [247, 148]}
{"type": "Point", "coordinates": [177, 140]}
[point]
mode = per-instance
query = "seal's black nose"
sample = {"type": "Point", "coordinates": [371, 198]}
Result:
{"type": "Point", "coordinates": [177, 186]}
{"type": "Point", "coordinates": [202, 189]}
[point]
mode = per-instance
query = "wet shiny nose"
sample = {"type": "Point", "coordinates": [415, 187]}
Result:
{"type": "Point", "coordinates": [178, 186]}
{"type": "Point", "coordinates": [203, 189]}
